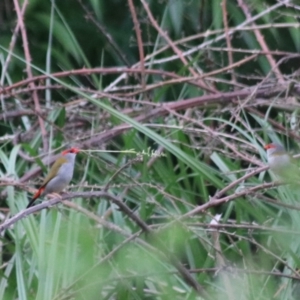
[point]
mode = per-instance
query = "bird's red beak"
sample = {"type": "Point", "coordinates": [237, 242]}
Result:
{"type": "Point", "coordinates": [75, 150]}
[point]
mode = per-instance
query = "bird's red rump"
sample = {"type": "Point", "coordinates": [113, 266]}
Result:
{"type": "Point", "coordinates": [38, 193]}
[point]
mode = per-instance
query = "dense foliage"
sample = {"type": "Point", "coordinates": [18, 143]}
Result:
{"type": "Point", "coordinates": [171, 103]}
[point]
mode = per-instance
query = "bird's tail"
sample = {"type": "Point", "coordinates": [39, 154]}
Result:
{"type": "Point", "coordinates": [35, 196]}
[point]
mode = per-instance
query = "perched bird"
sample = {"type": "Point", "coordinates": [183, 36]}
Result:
{"type": "Point", "coordinates": [59, 176]}
{"type": "Point", "coordinates": [281, 163]}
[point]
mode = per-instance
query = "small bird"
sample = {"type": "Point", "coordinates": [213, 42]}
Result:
{"type": "Point", "coordinates": [59, 176]}
{"type": "Point", "coordinates": [281, 163]}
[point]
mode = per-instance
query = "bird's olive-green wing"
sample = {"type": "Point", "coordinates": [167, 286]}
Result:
{"type": "Point", "coordinates": [53, 170]}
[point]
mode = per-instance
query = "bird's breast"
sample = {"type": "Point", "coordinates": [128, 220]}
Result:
{"type": "Point", "coordinates": [277, 162]}
{"type": "Point", "coordinates": [62, 178]}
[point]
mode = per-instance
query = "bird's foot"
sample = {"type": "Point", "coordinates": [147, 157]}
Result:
{"type": "Point", "coordinates": [54, 195]}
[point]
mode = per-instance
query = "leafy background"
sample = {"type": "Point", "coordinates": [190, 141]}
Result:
{"type": "Point", "coordinates": [171, 103]}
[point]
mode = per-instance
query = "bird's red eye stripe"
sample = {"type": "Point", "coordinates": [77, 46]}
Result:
{"type": "Point", "coordinates": [269, 146]}
{"type": "Point", "coordinates": [72, 150]}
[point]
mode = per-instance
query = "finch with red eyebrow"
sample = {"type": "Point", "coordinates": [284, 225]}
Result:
{"type": "Point", "coordinates": [281, 163]}
{"type": "Point", "coordinates": [59, 176]}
